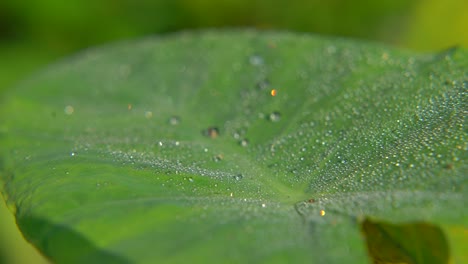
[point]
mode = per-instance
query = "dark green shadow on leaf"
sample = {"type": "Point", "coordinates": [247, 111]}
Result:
{"type": "Point", "coordinates": [417, 242]}
{"type": "Point", "coordinates": [63, 245]}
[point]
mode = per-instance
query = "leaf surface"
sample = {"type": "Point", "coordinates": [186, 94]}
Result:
{"type": "Point", "coordinates": [174, 148]}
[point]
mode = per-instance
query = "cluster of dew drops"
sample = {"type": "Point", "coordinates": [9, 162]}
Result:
{"type": "Point", "coordinates": [212, 132]}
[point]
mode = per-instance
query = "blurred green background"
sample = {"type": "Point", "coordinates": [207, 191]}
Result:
{"type": "Point", "coordinates": [34, 33]}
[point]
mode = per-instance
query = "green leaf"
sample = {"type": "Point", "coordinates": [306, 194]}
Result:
{"type": "Point", "coordinates": [174, 148]}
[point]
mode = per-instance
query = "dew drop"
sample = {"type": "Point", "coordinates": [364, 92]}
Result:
{"type": "Point", "coordinates": [69, 110]}
{"type": "Point", "coordinates": [212, 132]}
{"type": "Point", "coordinates": [275, 116]}
{"type": "Point", "coordinates": [238, 177]}
{"type": "Point", "coordinates": [385, 56]}
{"type": "Point", "coordinates": [174, 120]}
{"type": "Point", "coordinates": [256, 60]}
{"type": "Point", "coordinates": [244, 142]}
{"type": "Point", "coordinates": [148, 114]}
{"type": "Point", "coordinates": [262, 85]}
{"type": "Point", "coordinates": [218, 158]}
{"type": "Point", "coordinates": [236, 135]}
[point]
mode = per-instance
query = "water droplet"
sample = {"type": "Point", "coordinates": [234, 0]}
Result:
{"type": "Point", "coordinates": [244, 142]}
{"type": "Point", "coordinates": [262, 85]}
{"type": "Point", "coordinates": [275, 116]}
{"type": "Point", "coordinates": [238, 177]}
{"type": "Point", "coordinates": [385, 56]}
{"type": "Point", "coordinates": [125, 70]}
{"type": "Point", "coordinates": [69, 110]}
{"type": "Point", "coordinates": [331, 49]}
{"type": "Point", "coordinates": [236, 135]}
{"type": "Point", "coordinates": [256, 60]}
{"type": "Point", "coordinates": [218, 158]}
{"type": "Point", "coordinates": [212, 132]}
{"type": "Point", "coordinates": [148, 114]}
{"type": "Point", "coordinates": [174, 120]}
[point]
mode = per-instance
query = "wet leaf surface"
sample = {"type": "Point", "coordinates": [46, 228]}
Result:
{"type": "Point", "coordinates": [177, 148]}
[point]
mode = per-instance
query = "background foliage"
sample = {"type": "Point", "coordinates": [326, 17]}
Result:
{"type": "Point", "coordinates": [34, 33]}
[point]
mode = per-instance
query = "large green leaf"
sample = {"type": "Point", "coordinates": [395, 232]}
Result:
{"type": "Point", "coordinates": [174, 149]}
